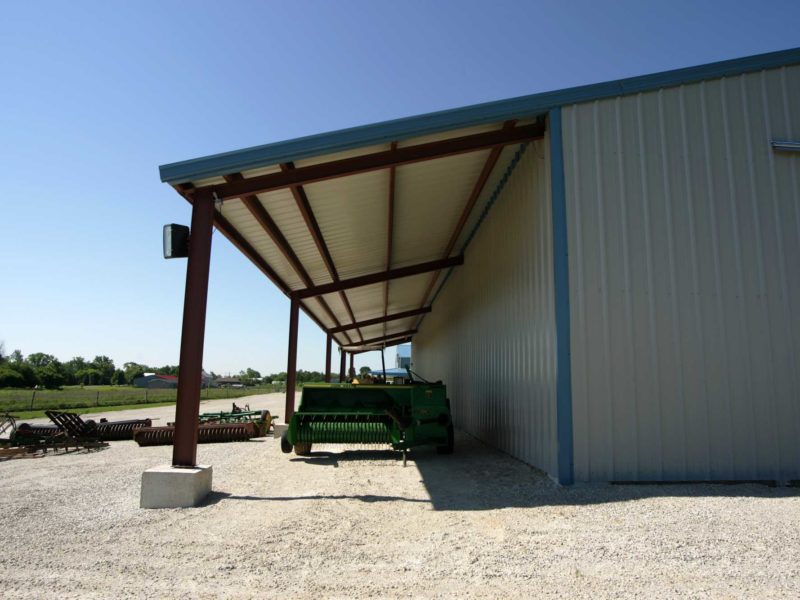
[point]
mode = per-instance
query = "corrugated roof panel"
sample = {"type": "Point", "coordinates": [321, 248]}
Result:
{"type": "Point", "coordinates": [367, 301]}
{"type": "Point", "coordinates": [240, 218]}
{"type": "Point", "coordinates": [430, 198]}
{"type": "Point", "coordinates": [282, 207]}
{"type": "Point", "coordinates": [406, 293]}
{"type": "Point", "coordinates": [352, 215]}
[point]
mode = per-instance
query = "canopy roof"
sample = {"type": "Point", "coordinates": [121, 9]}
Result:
{"type": "Point", "coordinates": [361, 225]}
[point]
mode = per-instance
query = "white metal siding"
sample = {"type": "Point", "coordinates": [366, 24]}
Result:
{"type": "Point", "coordinates": [491, 335]}
{"type": "Point", "coordinates": [684, 239]}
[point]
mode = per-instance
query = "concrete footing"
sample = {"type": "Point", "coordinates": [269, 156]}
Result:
{"type": "Point", "coordinates": [173, 487]}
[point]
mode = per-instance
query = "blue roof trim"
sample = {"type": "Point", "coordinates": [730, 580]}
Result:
{"type": "Point", "coordinates": [479, 114]}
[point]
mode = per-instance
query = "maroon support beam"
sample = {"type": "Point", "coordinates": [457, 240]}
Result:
{"type": "Point", "coordinates": [291, 366]}
{"type": "Point", "coordinates": [190, 374]}
{"type": "Point", "coordinates": [328, 349]}
{"type": "Point", "coordinates": [383, 345]}
{"type": "Point", "coordinates": [352, 370]}
{"type": "Point", "coordinates": [304, 206]}
{"type": "Point", "coordinates": [271, 228]}
{"type": "Point", "coordinates": [346, 284]}
{"type": "Point", "coordinates": [342, 363]}
{"type": "Point", "coordinates": [377, 160]}
{"type": "Point", "coordinates": [378, 320]}
{"type": "Point", "coordinates": [391, 336]}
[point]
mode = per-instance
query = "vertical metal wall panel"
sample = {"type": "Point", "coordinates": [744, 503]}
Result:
{"type": "Point", "coordinates": [684, 237]}
{"type": "Point", "coordinates": [491, 334]}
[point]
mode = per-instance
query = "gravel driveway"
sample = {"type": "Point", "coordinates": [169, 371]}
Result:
{"type": "Point", "coordinates": [477, 524]}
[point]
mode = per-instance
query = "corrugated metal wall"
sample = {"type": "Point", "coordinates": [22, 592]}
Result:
{"type": "Point", "coordinates": [491, 335]}
{"type": "Point", "coordinates": [684, 239]}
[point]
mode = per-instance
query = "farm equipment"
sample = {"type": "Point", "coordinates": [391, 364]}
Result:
{"type": "Point", "coordinates": [238, 425]}
{"type": "Point", "coordinates": [206, 433]}
{"type": "Point", "coordinates": [402, 416]}
{"type": "Point", "coordinates": [262, 418]}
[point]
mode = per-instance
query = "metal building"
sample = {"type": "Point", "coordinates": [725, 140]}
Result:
{"type": "Point", "coordinates": [607, 277]}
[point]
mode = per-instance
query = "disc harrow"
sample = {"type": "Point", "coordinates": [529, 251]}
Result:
{"type": "Point", "coordinates": [206, 434]}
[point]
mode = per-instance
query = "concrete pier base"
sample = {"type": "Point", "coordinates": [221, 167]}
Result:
{"type": "Point", "coordinates": [175, 487]}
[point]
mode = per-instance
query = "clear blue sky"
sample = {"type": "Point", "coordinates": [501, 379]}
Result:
{"type": "Point", "coordinates": [95, 95]}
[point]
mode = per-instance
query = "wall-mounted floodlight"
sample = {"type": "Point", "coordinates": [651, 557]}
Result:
{"type": "Point", "coordinates": [176, 241]}
{"type": "Point", "coordinates": [785, 145]}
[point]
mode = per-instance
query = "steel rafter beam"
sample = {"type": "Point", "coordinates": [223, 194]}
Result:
{"type": "Point", "coordinates": [261, 215]}
{"type": "Point", "coordinates": [304, 206]}
{"type": "Point", "coordinates": [477, 189]}
{"type": "Point", "coordinates": [376, 161]}
{"type": "Point", "coordinates": [404, 340]}
{"type": "Point", "coordinates": [346, 284]}
{"type": "Point", "coordinates": [378, 320]}
{"type": "Point", "coordinates": [235, 238]}
{"type": "Point", "coordinates": [387, 338]}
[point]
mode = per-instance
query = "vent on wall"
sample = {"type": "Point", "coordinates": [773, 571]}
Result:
{"type": "Point", "coordinates": [785, 146]}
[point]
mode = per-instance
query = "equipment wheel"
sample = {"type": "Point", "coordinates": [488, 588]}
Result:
{"type": "Point", "coordinates": [303, 449]}
{"type": "Point", "coordinates": [448, 449]}
{"type": "Point", "coordinates": [286, 447]}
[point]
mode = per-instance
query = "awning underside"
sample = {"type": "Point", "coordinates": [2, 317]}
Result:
{"type": "Point", "coordinates": [388, 214]}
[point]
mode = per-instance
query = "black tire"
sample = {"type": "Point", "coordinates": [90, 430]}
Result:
{"type": "Point", "coordinates": [448, 449]}
{"type": "Point", "coordinates": [302, 449]}
{"type": "Point", "coordinates": [286, 447]}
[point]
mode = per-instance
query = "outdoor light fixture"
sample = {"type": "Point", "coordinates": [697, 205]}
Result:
{"type": "Point", "coordinates": [785, 145]}
{"type": "Point", "coordinates": [176, 241]}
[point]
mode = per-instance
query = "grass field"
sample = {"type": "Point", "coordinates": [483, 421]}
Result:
{"type": "Point", "coordinates": [31, 403]}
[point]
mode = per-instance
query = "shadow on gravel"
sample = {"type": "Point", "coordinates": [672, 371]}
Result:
{"type": "Point", "coordinates": [332, 459]}
{"type": "Point", "coordinates": [215, 497]}
{"type": "Point", "coordinates": [477, 477]}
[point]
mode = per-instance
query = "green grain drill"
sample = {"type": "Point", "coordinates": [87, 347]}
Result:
{"type": "Point", "coordinates": [402, 416]}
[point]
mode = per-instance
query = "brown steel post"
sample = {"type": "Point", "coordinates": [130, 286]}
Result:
{"type": "Point", "coordinates": [343, 356]}
{"type": "Point", "coordinates": [187, 409]}
{"type": "Point", "coordinates": [328, 349]}
{"type": "Point", "coordinates": [352, 362]}
{"type": "Point", "coordinates": [291, 368]}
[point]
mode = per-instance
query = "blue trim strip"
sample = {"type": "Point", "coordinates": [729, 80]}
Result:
{"type": "Point", "coordinates": [490, 112]}
{"type": "Point", "coordinates": [561, 282]}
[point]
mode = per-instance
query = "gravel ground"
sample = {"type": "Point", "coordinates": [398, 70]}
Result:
{"type": "Point", "coordinates": [357, 524]}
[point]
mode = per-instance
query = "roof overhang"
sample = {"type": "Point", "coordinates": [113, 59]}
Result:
{"type": "Point", "coordinates": [361, 225]}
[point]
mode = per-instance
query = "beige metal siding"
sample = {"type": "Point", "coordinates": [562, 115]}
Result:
{"type": "Point", "coordinates": [684, 239]}
{"type": "Point", "coordinates": [491, 335]}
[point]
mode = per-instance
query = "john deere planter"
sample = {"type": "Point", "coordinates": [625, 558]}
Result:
{"type": "Point", "coordinates": [402, 416]}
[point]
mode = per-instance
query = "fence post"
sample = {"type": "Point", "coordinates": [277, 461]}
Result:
{"type": "Point", "coordinates": [145, 395]}
{"type": "Point", "coordinates": [97, 401]}
{"type": "Point", "coordinates": [32, 397]}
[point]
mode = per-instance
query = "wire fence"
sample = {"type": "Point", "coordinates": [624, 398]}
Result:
{"type": "Point", "coordinates": [19, 400]}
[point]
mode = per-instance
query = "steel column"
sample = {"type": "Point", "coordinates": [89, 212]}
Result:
{"type": "Point", "coordinates": [343, 358]}
{"type": "Point", "coordinates": [352, 363]}
{"type": "Point", "coordinates": [328, 348]}
{"type": "Point", "coordinates": [291, 366]}
{"type": "Point", "coordinates": [190, 373]}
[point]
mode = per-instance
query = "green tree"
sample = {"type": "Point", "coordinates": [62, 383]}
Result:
{"type": "Point", "coordinates": [118, 378]}
{"type": "Point", "coordinates": [134, 370]}
{"type": "Point", "coordinates": [249, 376]}
{"type": "Point", "coordinates": [364, 371]}
{"type": "Point", "coordinates": [10, 377]}
{"type": "Point", "coordinates": [89, 376]}
{"type": "Point", "coordinates": [50, 375]}
{"type": "Point", "coordinates": [106, 367]}
{"type": "Point", "coordinates": [39, 359]}
{"type": "Point", "coordinates": [16, 357]}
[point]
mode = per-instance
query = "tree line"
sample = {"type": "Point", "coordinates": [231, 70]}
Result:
{"type": "Point", "coordinates": [45, 370]}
